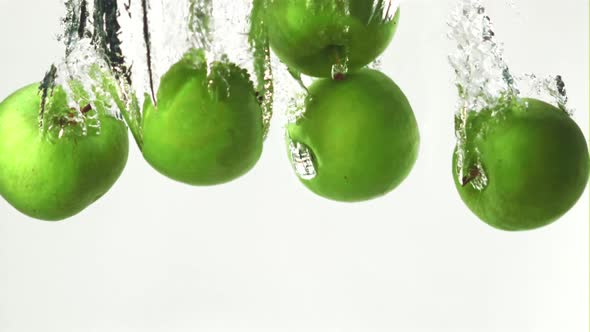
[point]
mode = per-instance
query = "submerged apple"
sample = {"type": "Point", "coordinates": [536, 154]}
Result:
{"type": "Point", "coordinates": [358, 136]}
{"type": "Point", "coordinates": [207, 127]}
{"type": "Point", "coordinates": [311, 36]}
{"type": "Point", "coordinates": [535, 160]}
{"type": "Point", "coordinates": [53, 179]}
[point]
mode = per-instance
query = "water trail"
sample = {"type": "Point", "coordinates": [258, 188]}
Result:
{"type": "Point", "coordinates": [148, 49]}
{"type": "Point", "coordinates": [75, 80]}
{"type": "Point", "coordinates": [549, 88]}
{"type": "Point", "coordinates": [117, 82]}
{"type": "Point", "coordinates": [482, 77]}
{"type": "Point", "coordinates": [200, 22]}
{"type": "Point", "coordinates": [484, 81]}
{"type": "Point", "coordinates": [157, 33]}
{"type": "Point", "coordinates": [258, 40]}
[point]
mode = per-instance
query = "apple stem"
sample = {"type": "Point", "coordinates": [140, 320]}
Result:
{"type": "Point", "coordinates": [339, 69]}
{"type": "Point", "coordinates": [339, 77]}
{"type": "Point", "coordinates": [474, 173]}
{"type": "Point", "coordinates": [86, 109]}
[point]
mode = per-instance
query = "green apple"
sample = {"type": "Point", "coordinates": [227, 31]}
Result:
{"type": "Point", "coordinates": [207, 127]}
{"type": "Point", "coordinates": [55, 178]}
{"type": "Point", "coordinates": [361, 135]}
{"type": "Point", "coordinates": [535, 159]}
{"type": "Point", "coordinates": [311, 36]}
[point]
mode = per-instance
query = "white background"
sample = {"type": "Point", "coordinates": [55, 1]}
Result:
{"type": "Point", "coordinates": [264, 254]}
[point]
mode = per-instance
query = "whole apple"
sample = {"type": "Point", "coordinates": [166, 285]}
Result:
{"type": "Point", "coordinates": [536, 162]}
{"type": "Point", "coordinates": [207, 127]}
{"type": "Point", "coordinates": [53, 179]}
{"type": "Point", "coordinates": [361, 134]}
{"type": "Point", "coordinates": [310, 36]}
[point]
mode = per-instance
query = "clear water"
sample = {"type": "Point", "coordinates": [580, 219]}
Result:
{"type": "Point", "coordinates": [484, 81]}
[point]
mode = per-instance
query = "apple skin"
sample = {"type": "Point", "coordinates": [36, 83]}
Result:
{"type": "Point", "coordinates": [362, 134]}
{"type": "Point", "coordinates": [308, 35]}
{"type": "Point", "coordinates": [202, 134]}
{"type": "Point", "coordinates": [536, 160]}
{"type": "Point", "coordinates": [54, 180]}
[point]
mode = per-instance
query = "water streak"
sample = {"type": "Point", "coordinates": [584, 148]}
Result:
{"type": "Point", "coordinates": [484, 81]}
{"type": "Point", "coordinates": [75, 81]}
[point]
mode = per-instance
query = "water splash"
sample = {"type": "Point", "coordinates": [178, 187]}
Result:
{"type": "Point", "coordinates": [117, 82]}
{"type": "Point", "coordinates": [550, 89]}
{"type": "Point", "coordinates": [377, 63]}
{"type": "Point", "coordinates": [296, 107]}
{"type": "Point", "coordinates": [260, 45]}
{"type": "Point", "coordinates": [484, 81]}
{"type": "Point", "coordinates": [291, 91]}
{"type": "Point", "coordinates": [73, 95]}
{"type": "Point", "coordinates": [200, 13]}
{"type": "Point", "coordinates": [220, 28]}
{"type": "Point", "coordinates": [481, 73]}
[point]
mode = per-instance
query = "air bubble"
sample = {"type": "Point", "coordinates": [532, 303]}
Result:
{"type": "Point", "coordinates": [302, 160]}
{"type": "Point", "coordinates": [376, 64]}
{"type": "Point", "coordinates": [296, 107]}
{"type": "Point", "coordinates": [551, 89]}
